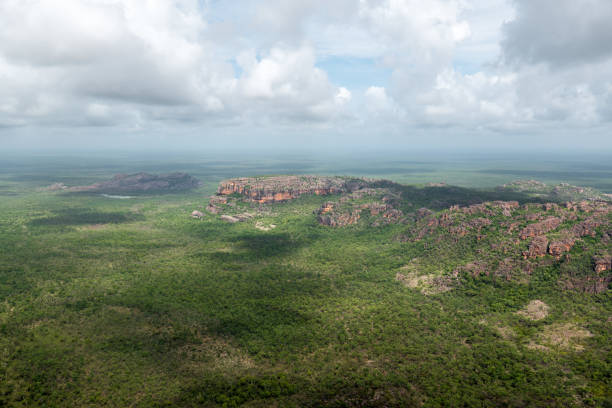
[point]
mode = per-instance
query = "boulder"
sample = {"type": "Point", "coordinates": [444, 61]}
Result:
{"type": "Point", "coordinates": [197, 214]}
{"type": "Point", "coordinates": [559, 247]}
{"type": "Point", "coordinates": [602, 263]}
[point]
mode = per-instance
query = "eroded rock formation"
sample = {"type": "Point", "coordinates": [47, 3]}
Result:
{"type": "Point", "coordinates": [283, 188]}
{"type": "Point", "coordinates": [539, 228]}
{"type": "Point", "coordinates": [538, 247]}
{"type": "Point", "coordinates": [602, 263]}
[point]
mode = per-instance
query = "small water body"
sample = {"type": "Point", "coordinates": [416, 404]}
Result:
{"type": "Point", "coordinates": [117, 197]}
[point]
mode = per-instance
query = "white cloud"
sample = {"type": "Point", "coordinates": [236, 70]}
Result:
{"type": "Point", "coordinates": [287, 80]}
{"type": "Point", "coordinates": [135, 64]}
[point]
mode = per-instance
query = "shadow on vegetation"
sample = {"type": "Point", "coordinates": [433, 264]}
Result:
{"type": "Point", "coordinates": [48, 179]}
{"type": "Point", "coordinates": [438, 198]}
{"type": "Point", "coordinates": [266, 245]}
{"type": "Point", "coordinates": [552, 174]}
{"type": "Point", "coordinates": [235, 392]}
{"type": "Point", "coordinates": [84, 216]}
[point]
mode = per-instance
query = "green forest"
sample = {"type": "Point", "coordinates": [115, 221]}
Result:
{"type": "Point", "coordinates": [132, 302]}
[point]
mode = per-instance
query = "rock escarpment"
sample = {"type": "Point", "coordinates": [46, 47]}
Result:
{"type": "Point", "coordinates": [497, 239]}
{"type": "Point", "coordinates": [283, 188]}
{"type": "Point", "coordinates": [511, 241]}
{"type": "Point", "coordinates": [141, 183]}
{"type": "Point", "coordinates": [356, 197]}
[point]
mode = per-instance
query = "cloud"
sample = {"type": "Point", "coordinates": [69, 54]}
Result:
{"type": "Point", "coordinates": [150, 56]}
{"type": "Point", "coordinates": [559, 32]}
{"type": "Point", "coordinates": [290, 67]}
{"type": "Point", "coordinates": [287, 82]}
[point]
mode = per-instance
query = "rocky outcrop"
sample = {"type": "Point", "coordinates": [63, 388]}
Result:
{"type": "Point", "coordinates": [141, 183]}
{"type": "Point", "coordinates": [197, 214]}
{"type": "Point", "coordinates": [561, 246]}
{"type": "Point", "coordinates": [537, 247]}
{"type": "Point", "coordinates": [283, 188]}
{"type": "Point", "coordinates": [540, 228]}
{"type": "Point", "coordinates": [341, 214]}
{"type": "Point", "coordinates": [237, 217]}
{"type": "Point", "coordinates": [602, 263]}
{"type": "Point", "coordinates": [488, 208]}
{"type": "Point", "coordinates": [587, 227]}
{"type": "Point", "coordinates": [334, 219]}
{"type": "Point", "coordinates": [214, 204]}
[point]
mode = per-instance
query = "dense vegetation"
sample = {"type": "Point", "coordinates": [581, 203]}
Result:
{"type": "Point", "coordinates": [110, 302]}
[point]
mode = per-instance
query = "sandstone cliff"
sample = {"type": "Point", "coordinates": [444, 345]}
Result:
{"type": "Point", "coordinates": [283, 188]}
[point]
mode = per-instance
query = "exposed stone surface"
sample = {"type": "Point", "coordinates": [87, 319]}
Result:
{"type": "Point", "coordinates": [262, 227]}
{"type": "Point", "coordinates": [540, 228]}
{"type": "Point", "coordinates": [602, 263]}
{"type": "Point", "coordinates": [214, 203]}
{"type": "Point", "coordinates": [504, 253]}
{"type": "Point", "coordinates": [229, 218]}
{"type": "Point", "coordinates": [197, 214]}
{"type": "Point", "coordinates": [587, 227]}
{"type": "Point", "coordinates": [538, 247]}
{"type": "Point", "coordinates": [141, 183]}
{"type": "Point", "coordinates": [338, 219]}
{"type": "Point", "coordinates": [347, 210]}
{"type": "Point", "coordinates": [559, 247]}
{"type": "Point", "coordinates": [283, 188]}
{"type": "Point", "coordinates": [502, 239]}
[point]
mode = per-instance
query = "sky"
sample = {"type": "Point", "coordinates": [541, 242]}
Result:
{"type": "Point", "coordinates": [329, 74]}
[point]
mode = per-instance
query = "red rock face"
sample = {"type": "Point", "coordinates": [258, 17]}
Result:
{"type": "Point", "coordinates": [558, 248]}
{"type": "Point", "coordinates": [587, 227]}
{"type": "Point", "coordinates": [537, 247]}
{"type": "Point", "coordinates": [603, 263]}
{"type": "Point", "coordinates": [325, 208]}
{"type": "Point", "coordinates": [328, 214]}
{"type": "Point", "coordinates": [340, 220]}
{"type": "Point", "coordinates": [284, 188]}
{"type": "Point", "coordinates": [540, 228]}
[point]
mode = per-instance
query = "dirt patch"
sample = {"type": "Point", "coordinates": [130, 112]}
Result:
{"type": "Point", "coordinates": [214, 353]}
{"type": "Point", "coordinates": [535, 310]}
{"type": "Point", "coordinates": [535, 346]}
{"type": "Point", "coordinates": [428, 284]}
{"type": "Point", "coordinates": [262, 227]}
{"type": "Point", "coordinates": [564, 336]}
{"type": "Point", "coordinates": [93, 227]}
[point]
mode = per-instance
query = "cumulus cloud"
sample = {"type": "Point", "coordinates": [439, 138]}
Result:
{"type": "Point", "coordinates": [468, 65]}
{"type": "Point", "coordinates": [62, 57]}
{"type": "Point", "coordinates": [289, 80]}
